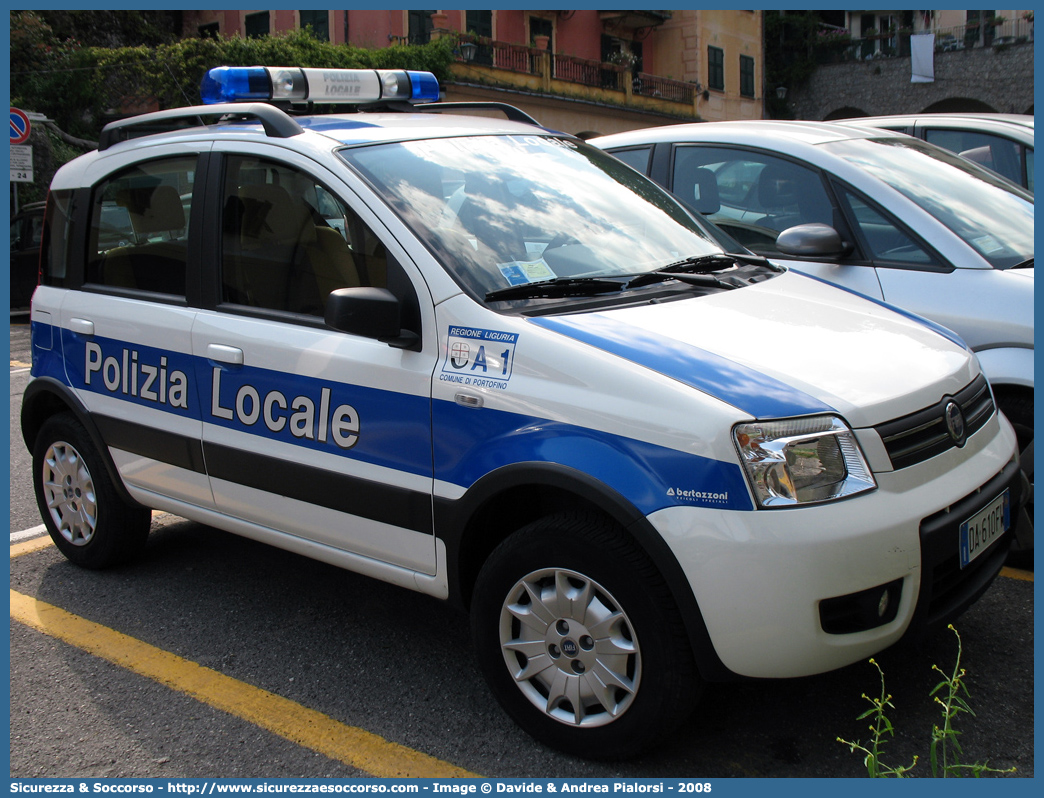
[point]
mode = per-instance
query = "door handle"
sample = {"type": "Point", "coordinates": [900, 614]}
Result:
{"type": "Point", "coordinates": [225, 354]}
{"type": "Point", "coordinates": [81, 326]}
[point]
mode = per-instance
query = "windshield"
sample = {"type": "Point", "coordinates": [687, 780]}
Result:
{"type": "Point", "coordinates": [501, 211]}
{"type": "Point", "coordinates": [989, 213]}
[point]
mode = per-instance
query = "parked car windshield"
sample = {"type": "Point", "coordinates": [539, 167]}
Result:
{"type": "Point", "coordinates": [505, 210]}
{"type": "Point", "coordinates": [992, 215]}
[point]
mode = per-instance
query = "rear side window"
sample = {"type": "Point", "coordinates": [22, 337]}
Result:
{"type": "Point", "coordinates": [637, 158]}
{"type": "Point", "coordinates": [1002, 155]}
{"type": "Point", "coordinates": [55, 238]}
{"type": "Point", "coordinates": [140, 227]}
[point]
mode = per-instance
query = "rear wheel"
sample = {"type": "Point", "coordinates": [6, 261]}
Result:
{"type": "Point", "coordinates": [85, 516]}
{"type": "Point", "coordinates": [580, 640]}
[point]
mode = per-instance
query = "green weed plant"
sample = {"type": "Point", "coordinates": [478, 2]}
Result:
{"type": "Point", "coordinates": [944, 751]}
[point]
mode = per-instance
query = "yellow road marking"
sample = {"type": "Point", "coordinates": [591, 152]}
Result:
{"type": "Point", "coordinates": [29, 546]}
{"type": "Point", "coordinates": [18, 364]}
{"type": "Point", "coordinates": [298, 724]}
{"type": "Point", "coordinates": [1017, 573]}
{"type": "Point", "coordinates": [288, 719]}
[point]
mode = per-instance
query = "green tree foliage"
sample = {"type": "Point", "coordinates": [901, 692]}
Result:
{"type": "Point", "coordinates": [114, 28]}
{"type": "Point", "coordinates": [81, 87]}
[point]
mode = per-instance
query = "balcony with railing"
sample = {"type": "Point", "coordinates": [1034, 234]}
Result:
{"type": "Point", "coordinates": [834, 45]}
{"type": "Point", "coordinates": [519, 66]}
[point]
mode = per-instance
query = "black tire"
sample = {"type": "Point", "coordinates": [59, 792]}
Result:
{"type": "Point", "coordinates": [1018, 407]}
{"type": "Point", "coordinates": [87, 519]}
{"type": "Point", "coordinates": [636, 633]}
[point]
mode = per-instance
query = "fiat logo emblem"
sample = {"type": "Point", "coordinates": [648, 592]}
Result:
{"type": "Point", "coordinates": [954, 422]}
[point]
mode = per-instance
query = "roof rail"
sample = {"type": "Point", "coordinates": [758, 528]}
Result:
{"type": "Point", "coordinates": [277, 123]}
{"type": "Point", "coordinates": [511, 112]}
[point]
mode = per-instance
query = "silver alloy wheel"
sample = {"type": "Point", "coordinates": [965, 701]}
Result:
{"type": "Point", "coordinates": [69, 492]}
{"type": "Point", "coordinates": [570, 647]}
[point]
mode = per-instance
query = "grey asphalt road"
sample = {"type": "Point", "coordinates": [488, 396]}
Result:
{"type": "Point", "coordinates": [400, 665]}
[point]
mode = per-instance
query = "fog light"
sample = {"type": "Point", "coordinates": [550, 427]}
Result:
{"type": "Point", "coordinates": [860, 611]}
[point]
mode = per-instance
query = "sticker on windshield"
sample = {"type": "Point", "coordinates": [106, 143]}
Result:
{"type": "Point", "coordinates": [987, 244]}
{"type": "Point", "coordinates": [482, 358]}
{"type": "Point", "coordinates": [520, 272]}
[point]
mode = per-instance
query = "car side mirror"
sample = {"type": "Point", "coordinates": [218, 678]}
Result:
{"type": "Point", "coordinates": [371, 313]}
{"type": "Point", "coordinates": [812, 241]}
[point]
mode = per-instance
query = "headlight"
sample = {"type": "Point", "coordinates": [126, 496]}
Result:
{"type": "Point", "coordinates": [802, 461]}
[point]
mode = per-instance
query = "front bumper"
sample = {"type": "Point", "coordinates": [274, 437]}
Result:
{"type": "Point", "coordinates": [947, 590]}
{"type": "Point", "coordinates": [761, 578]}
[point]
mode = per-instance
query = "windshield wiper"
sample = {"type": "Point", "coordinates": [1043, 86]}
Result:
{"type": "Point", "coordinates": [558, 287]}
{"type": "Point", "coordinates": [1026, 264]}
{"type": "Point", "coordinates": [697, 270]}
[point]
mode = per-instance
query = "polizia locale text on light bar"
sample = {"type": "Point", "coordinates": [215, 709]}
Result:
{"type": "Point", "coordinates": [305, 85]}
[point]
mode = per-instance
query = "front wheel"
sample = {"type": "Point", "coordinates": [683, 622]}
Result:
{"type": "Point", "coordinates": [84, 515]}
{"type": "Point", "coordinates": [580, 640]}
{"type": "Point", "coordinates": [1017, 406]}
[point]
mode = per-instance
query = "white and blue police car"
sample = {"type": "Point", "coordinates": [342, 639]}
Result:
{"type": "Point", "coordinates": [483, 360]}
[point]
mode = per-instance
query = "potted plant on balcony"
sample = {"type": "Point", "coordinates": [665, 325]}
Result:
{"type": "Point", "coordinates": [623, 58]}
{"type": "Point", "coordinates": [834, 38]}
{"type": "Point", "coordinates": [831, 44]}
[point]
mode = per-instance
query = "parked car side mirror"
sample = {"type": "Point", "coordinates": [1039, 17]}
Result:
{"type": "Point", "coordinates": [811, 241]}
{"type": "Point", "coordinates": [369, 312]}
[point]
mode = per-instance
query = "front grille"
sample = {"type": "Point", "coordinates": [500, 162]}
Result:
{"type": "Point", "coordinates": [922, 435]}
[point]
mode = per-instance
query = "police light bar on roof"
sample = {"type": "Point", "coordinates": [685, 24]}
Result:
{"type": "Point", "coordinates": [300, 85]}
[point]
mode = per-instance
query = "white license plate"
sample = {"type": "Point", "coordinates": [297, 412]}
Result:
{"type": "Point", "coordinates": [979, 531]}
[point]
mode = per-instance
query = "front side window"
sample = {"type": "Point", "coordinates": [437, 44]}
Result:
{"type": "Point", "coordinates": [140, 227]}
{"type": "Point", "coordinates": [751, 195]}
{"type": "Point", "coordinates": [991, 215]}
{"type": "Point", "coordinates": [26, 232]}
{"type": "Point", "coordinates": [500, 211]}
{"type": "Point", "coordinates": [287, 241]}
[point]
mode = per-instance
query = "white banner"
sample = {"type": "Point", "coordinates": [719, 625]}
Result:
{"type": "Point", "coordinates": [922, 58]}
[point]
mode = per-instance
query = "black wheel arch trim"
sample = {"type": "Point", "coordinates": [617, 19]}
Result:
{"type": "Point", "coordinates": [452, 518]}
{"type": "Point", "coordinates": [46, 396]}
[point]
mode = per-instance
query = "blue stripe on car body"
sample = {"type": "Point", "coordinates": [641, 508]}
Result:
{"type": "Point", "coordinates": [395, 429]}
{"type": "Point", "coordinates": [751, 391]}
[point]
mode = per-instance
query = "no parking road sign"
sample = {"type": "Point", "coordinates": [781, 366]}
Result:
{"type": "Point", "coordinates": [20, 126]}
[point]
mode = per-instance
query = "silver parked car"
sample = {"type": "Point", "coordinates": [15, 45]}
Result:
{"type": "Point", "coordinates": [1001, 142]}
{"type": "Point", "coordinates": [880, 213]}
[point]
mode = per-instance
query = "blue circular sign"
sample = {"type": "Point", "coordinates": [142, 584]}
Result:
{"type": "Point", "coordinates": [20, 126]}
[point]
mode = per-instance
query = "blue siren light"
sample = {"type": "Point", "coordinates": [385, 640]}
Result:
{"type": "Point", "coordinates": [294, 84]}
